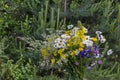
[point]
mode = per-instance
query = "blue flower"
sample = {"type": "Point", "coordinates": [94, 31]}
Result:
{"type": "Point", "coordinates": [82, 53]}
{"type": "Point", "coordinates": [85, 53]}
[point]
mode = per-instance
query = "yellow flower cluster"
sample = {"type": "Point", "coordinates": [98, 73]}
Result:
{"type": "Point", "coordinates": [76, 39]}
{"type": "Point", "coordinates": [72, 44]}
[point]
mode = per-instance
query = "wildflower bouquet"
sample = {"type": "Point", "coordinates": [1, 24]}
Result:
{"type": "Point", "coordinates": [75, 50]}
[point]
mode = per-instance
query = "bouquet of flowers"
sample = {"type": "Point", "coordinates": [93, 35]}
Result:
{"type": "Point", "coordinates": [75, 50]}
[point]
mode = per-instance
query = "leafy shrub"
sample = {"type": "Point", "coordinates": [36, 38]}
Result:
{"type": "Point", "coordinates": [18, 70]}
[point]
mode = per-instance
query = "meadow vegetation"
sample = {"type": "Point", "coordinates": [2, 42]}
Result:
{"type": "Point", "coordinates": [59, 40]}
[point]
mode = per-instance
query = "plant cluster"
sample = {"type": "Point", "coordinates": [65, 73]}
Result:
{"type": "Point", "coordinates": [36, 29]}
{"type": "Point", "coordinates": [75, 49]}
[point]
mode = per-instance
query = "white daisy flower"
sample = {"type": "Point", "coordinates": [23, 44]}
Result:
{"type": "Point", "coordinates": [64, 36]}
{"type": "Point", "coordinates": [58, 40]}
{"type": "Point", "coordinates": [109, 52]}
{"type": "Point", "coordinates": [64, 40]}
{"type": "Point", "coordinates": [88, 43]}
{"type": "Point", "coordinates": [98, 32]}
{"type": "Point", "coordinates": [63, 45]}
{"type": "Point", "coordinates": [56, 45]}
{"type": "Point", "coordinates": [103, 40]}
{"type": "Point", "coordinates": [70, 26]}
{"type": "Point", "coordinates": [87, 37]}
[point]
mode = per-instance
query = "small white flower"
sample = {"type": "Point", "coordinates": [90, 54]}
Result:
{"type": "Point", "coordinates": [70, 26]}
{"type": "Point", "coordinates": [101, 36]}
{"type": "Point", "coordinates": [64, 36]}
{"type": "Point", "coordinates": [109, 52]}
{"type": "Point", "coordinates": [64, 40]}
{"type": "Point", "coordinates": [58, 40]}
{"type": "Point", "coordinates": [98, 32]}
{"type": "Point", "coordinates": [87, 37]}
{"type": "Point", "coordinates": [97, 56]}
{"type": "Point", "coordinates": [63, 45]}
{"type": "Point", "coordinates": [88, 43]}
{"type": "Point", "coordinates": [56, 46]}
{"type": "Point", "coordinates": [60, 45]}
{"type": "Point", "coordinates": [103, 40]}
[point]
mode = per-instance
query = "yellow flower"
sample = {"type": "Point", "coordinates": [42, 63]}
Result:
{"type": "Point", "coordinates": [54, 53]}
{"type": "Point", "coordinates": [94, 39]}
{"type": "Point", "coordinates": [73, 53]}
{"type": "Point", "coordinates": [80, 49]}
{"type": "Point", "coordinates": [82, 31]}
{"type": "Point", "coordinates": [81, 44]}
{"type": "Point", "coordinates": [68, 44]}
{"type": "Point", "coordinates": [82, 37]}
{"type": "Point", "coordinates": [68, 32]}
{"type": "Point", "coordinates": [44, 52]}
{"type": "Point", "coordinates": [52, 60]}
{"type": "Point", "coordinates": [62, 56]}
{"type": "Point", "coordinates": [75, 43]}
{"type": "Point", "coordinates": [77, 33]}
{"type": "Point", "coordinates": [61, 50]}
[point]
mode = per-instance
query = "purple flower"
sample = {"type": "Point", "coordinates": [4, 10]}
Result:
{"type": "Point", "coordinates": [85, 53]}
{"type": "Point", "coordinates": [95, 50]}
{"type": "Point", "coordinates": [100, 62]}
{"type": "Point", "coordinates": [82, 53]}
{"type": "Point", "coordinates": [76, 63]}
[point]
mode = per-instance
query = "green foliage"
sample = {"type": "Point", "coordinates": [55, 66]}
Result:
{"type": "Point", "coordinates": [29, 19]}
{"type": "Point", "coordinates": [18, 70]}
{"type": "Point", "coordinates": [104, 11]}
{"type": "Point", "coordinates": [99, 73]}
{"type": "Point", "coordinates": [2, 48]}
{"type": "Point", "coordinates": [51, 77]}
{"type": "Point", "coordinates": [24, 24]}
